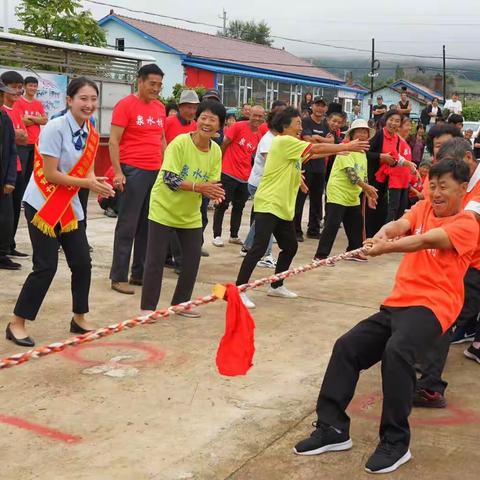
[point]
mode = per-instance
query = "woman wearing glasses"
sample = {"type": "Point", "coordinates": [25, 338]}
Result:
{"type": "Point", "coordinates": [63, 164]}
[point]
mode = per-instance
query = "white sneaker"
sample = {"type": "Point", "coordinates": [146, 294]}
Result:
{"type": "Point", "coordinates": [282, 292]}
{"type": "Point", "coordinates": [243, 252]}
{"type": "Point", "coordinates": [267, 262]}
{"type": "Point", "coordinates": [235, 240]}
{"type": "Point", "coordinates": [218, 242]}
{"type": "Point", "coordinates": [246, 301]}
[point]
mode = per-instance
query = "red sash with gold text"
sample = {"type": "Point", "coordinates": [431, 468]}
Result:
{"type": "Point", "coordinates": [58, 198]}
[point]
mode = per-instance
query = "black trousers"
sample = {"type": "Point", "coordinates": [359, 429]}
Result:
{"type": "Point", "coordinates": [352, 221]}
{"type": "Point", "coordinates": [45, 261]}
{"type": "Point", "coordinates": [204, 212]}
{"type": "Point", "coordinates": [157, 246]}
{"type": "Point", "coordinates": [6, 223]}
{"type": "Point", "coordinates": [132, 223]}
{"type": "Point", "coordinates": [393, 336]}
{"type": "Point", "coordinates": [236, 193]}
{"type": "Point", "coordinates": [375, 218]}
{"type": "Point", "coordinates": [17, 196]}
{"type": "Point", "coordinates": [26, 154]}
{"type": "Point", "coordinates": [316, 185]}
{"type": "Point", "coordinates": [83, 194]}
{"type": "Point", "coordinates": [432, 363]}
{"type": "Point", "coordinates": [397, 203]}
{"type": "Point", "coordinates": [267, 224]}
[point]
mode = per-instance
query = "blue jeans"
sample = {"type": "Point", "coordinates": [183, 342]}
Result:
{"type": "Point", "coordinates": [251, 234]}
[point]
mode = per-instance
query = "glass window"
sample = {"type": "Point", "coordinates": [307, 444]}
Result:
{"type": "Point", "coordinates": [272, 93]}
{"type": "Point", "coordinates": [246, 88]}
{"type": "Point", "coordinates": [120, 44]}
{"type": "Point", "coordinates": [296, 96]}
{"type": "Point", "coordinates": [230, 90]}
{"type": "Point", "coordinates": [284, 92]}
{"type": "Point", "coordinates": [220, 85]}
{"type": "Point", "coordinates": [259, 91]}
{"type": "Point", "coordinates": [329, 94]}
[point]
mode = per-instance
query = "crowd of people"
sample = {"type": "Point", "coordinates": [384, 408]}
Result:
{"type": "Point", "coordinates": [395, 186]}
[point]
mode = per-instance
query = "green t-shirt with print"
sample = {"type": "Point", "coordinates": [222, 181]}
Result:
{"type": "Point", "coordinates": [181, 208]}
{"type": "Point", "coordinates": [279, 185]}
{"type": "Point", "coordinates": [340, 189]}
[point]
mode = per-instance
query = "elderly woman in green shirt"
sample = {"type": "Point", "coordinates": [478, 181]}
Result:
{"type": "Point", "coordinates": [191, 168]}
{"type": "Point", "coordinates": [274, 202]}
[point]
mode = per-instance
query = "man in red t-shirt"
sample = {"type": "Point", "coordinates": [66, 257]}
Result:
{"type": "Point", "coordinates": [137, 141]}
{"type": "Point", "coordinates": [184, 121]}
{"type": "Point", "coordinates": [34, 116]}
{"type": "Point", "coordinates": [439, 240]}
{"type": "Point", "coordinates": [14, 81]}
{"type": "Point", "coordinates": [239, 147]}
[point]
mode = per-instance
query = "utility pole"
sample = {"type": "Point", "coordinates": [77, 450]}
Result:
{"type": "Point", "coordinates": [444, 77]}
{"type": "Point", "coordinates": [375, 65]}
{"type": "Point", "coordinates": [224, 18]}
{"type": "Point", "coordinates": [6, 13]}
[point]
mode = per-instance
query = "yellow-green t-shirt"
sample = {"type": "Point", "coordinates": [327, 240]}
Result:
{"type": "Point", "coordinates": [279, 185]}
{"type": "Point", "coordinates": [340, 189]}
{"type": "Point", "coordinates": [181, 208]}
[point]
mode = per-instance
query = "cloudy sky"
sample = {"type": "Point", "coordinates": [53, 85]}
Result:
{"type": "Point", "coordinates": [408, 27]}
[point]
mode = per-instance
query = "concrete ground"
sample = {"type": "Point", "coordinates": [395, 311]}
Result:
{"type": "Point", "coordinates": [165, 413]}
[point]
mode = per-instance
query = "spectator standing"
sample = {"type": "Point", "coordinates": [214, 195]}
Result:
{"type": "Point", "coordinates": [14, 80]}
{"type": "Point", "coordinates": [404, 106]}
{"type": "Point", "coordinates": [417, 143]}
{"type": "Point", "coordinates": [184, 120]}
{"type": "Point", "coordinates": [456, 120]}
{"type": "Point", "coordinates": [245, 112]}
{"type": "Point", "coordinates": [34, 116]}
{"type": "Point", "coordinates": [137, 141]}
{"type": "Point", "coordinates": [379, 110]}
{"type": "Point", "coordinates": [8, 175]}
{"type": "Point", "coordinates": [306, 105]}
{"type": "Point", "coordinates": [356, 114]}
{"type": "Point", "coordinates": [454, 105]}
{"type": "Point", "coordinates": [239, 145]}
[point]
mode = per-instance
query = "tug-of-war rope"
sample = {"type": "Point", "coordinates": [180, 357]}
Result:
{"type": "Point", "coordinates": [45, 350]}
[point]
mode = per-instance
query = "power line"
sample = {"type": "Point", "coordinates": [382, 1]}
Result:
{"type": "Point", "coordinates": [289, 39]}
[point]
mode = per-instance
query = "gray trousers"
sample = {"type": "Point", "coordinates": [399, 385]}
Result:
{"type": "Point", "coordinates": [132, 224]}
{"type": "Point", "coordinates": [158, 241]}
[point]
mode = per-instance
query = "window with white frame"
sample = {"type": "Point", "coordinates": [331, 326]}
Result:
{"type": "Point", "coordinates": [220, 84]}
{"type": "Point", "coordinates": [245, 91]}
{"type": "Point", "coordinates": [348, 105]}
{"type": "Point", "coordinates": [272, 93]}
{"type": "Point", "coordinates": [295, 95]}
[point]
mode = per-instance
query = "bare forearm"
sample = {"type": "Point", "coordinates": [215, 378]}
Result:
{"type": "Point", "coordinates": [58, 178]}
{"type": "Point", "coordinates": [114, 150]}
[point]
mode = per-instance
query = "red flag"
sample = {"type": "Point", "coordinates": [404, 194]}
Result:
{"type": "Point", "coordinates": [236, 349]}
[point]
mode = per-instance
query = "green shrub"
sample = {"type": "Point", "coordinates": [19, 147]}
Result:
{"type": "Point", "coordinates": [471, 112]}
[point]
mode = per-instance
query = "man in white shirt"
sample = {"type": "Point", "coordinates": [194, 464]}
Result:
{"type": "Point", "coordinates": [454, 105]}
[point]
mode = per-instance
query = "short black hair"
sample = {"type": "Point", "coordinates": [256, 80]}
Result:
{"type": "Point", "coordinates": [214, 107]}
{"type": "Point", "coordinates": [455, 118]}
{"type": "Point", "coordinates": [10, 77]}
{"type": "Point", "coordinates": [284, 118]}
{"type": "Point", "coordinates": [171, 106]}
{"type": "Point", "coordinates": [439, 130]}
{"type": "Point", "coordinates": [30, 80]}
{"type": "Point", "coordinates": [459, 170]}
{"type": "Point", "coordinates": [391, 113]}
{"type": "Point", "coordinates": [149, 69]}
{"type": "Point", "coordinates": [454, 149]}
{"type": "Point", "coordinates": [279, 103]}
{"type": "Point", "coordinates": [77, 83]}
{"type": "Point", "coordinates": [336, 114]}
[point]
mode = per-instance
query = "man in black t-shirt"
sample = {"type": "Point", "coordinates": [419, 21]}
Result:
{"type": "Point", "coordinates": [315, 130]}
{"type": "Point", "coordinates": [404, 106]}
{"type": "Point", "coordinates": [379, 110]}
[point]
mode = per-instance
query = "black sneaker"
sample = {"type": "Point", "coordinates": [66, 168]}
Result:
{"type": "Point", "coordinates": [7, 264]}
{"type": "Point", "coordinates": [324, 439]}
{"type": "Point", "coordinates": [472, 353]}
{"type": "Point", "coordinates": [428, 399]}
{"type": "Point", "coordinates": [16, 253]}
{"type": "Point", "coordinates": [110, 212]}
{"type": "Point", "coordinates": [315, 236]}
{"type": "Point", "coordinates": [387, 457]}
{"type": "Point", "coordinates": [300, 237]}
{"type": "Point", "coordinates": [463, 334]}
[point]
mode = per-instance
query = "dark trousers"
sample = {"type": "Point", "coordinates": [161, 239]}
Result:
{"type": "Point", "coordinates": [17, 196]}
{"type": "Point", "coordinates": [375, 218]}
{"type": "Point", "coordinates": [45, 261]}
{"type": "Point", "coordinates": [316, 185]}
{"type": "Point", "coordinates": [393, 336]}
{"type": "Point", "coordinates": [397, 203]}
{"type": "Point", "coordinates": [158, 242]}
{"type": "Point", "coordinates": [132, 223]}
{"type": "Point", "coordinates": [236, 193]}
{"type": "Point", "coordinates": [432, 363]}
{"type": "Point", "coordinates": [352, 220]}
{"type": "Point", "coordinates": [6, 223]}
{"type": "Point", "coordinates": [26, 154]}
{"type": "Point", "coordinates": [267, 224]}
{"type": "Point", "coordinates": [204, 212]}
{"type": "Point", "coordinates": [83, 194]}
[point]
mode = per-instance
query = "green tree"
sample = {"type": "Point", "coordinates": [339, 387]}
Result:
{"type": "Point", "coordinates": [399, 73]}
{"type": "Point", "coordinates": [63, 20]}
{"type": "Point", "coordinates": [249, 31]}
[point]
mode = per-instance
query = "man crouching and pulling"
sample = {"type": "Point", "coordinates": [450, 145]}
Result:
{"type": "Point", "coordinates": [438, 239]}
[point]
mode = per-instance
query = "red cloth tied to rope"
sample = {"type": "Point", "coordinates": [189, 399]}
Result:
{"type": "Point", "coordinates": [236, 349]}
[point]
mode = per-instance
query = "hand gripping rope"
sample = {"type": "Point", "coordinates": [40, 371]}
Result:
{"type": "Point", "coordinates": [45, 350]}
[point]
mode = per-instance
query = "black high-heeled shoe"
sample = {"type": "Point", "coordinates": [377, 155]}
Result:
{"type": "Point", "coordinates": [23, 342]}
{"type": "Point", "coordinates": [76, 328]}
